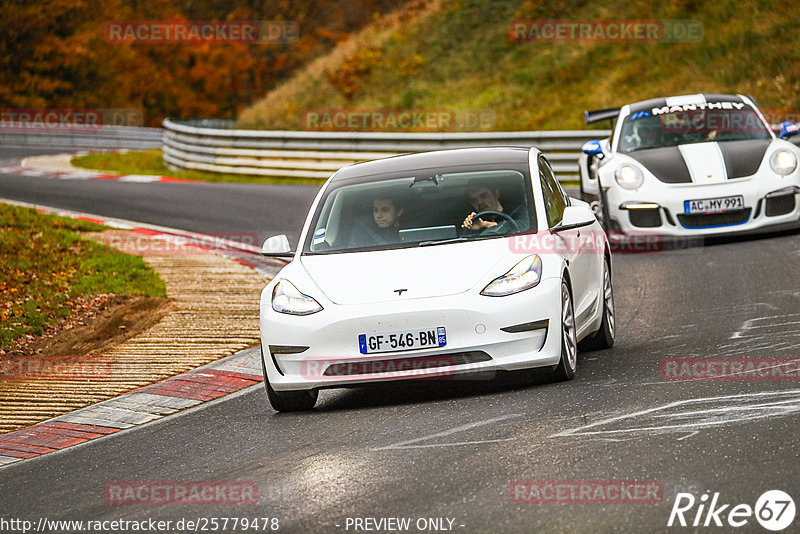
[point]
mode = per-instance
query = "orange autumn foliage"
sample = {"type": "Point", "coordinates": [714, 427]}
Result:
{"type": "Point", "coordinates": [55, 54]}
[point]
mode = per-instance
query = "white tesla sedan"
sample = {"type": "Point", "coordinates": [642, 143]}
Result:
{"type": "Point", "coordinates": [435, 265]}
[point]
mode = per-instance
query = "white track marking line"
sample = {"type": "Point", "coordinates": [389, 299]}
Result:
{"type": "Point", "coordinates": [583, 430]}
{"type": "Point", "coordinates": [455, 444]}
{"type": "Point", "coordinates": [776, 404]}
{"type": "Point", "coordinates": [462, 428]}
{"type": "Point", "coordinates": [748, 324]}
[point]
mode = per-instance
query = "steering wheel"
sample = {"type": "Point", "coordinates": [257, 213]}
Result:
{"type": "Point", "coordinates": [505, 216]}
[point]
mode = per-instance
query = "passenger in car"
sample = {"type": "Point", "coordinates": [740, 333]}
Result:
{"type": "Point", "coordinates": [386, 214]}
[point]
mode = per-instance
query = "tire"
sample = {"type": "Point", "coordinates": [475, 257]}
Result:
{"type": "Point", "coordinates": [605, 336]}
{"type": "Point", "coordinates": [288, 401]}
{"type": "Point", "coordinates": [565, 369]}
{"type": "Point", "coordinates": [583, 194]}
{"type": "Point", "coordinates": [605, 218]}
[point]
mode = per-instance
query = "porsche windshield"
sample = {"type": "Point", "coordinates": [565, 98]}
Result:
{"type": "Point", "coordinates": [641, 130]}
{"type": "Point", "coordinates": [419, 209]}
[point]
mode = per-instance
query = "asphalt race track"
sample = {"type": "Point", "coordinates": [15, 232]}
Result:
{"type": "Point", "coordinates": [202, 207]}
{"type": "Point", "coordinates": [455, 452]}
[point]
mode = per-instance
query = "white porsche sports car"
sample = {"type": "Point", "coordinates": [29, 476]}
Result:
{"type": "Point", "coordinates": [435, 265]}
{"type": "Point", "coordinates": [691, 165]}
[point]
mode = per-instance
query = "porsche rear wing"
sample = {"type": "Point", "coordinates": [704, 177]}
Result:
{"type": "Point", "coordinates": [601, 114]}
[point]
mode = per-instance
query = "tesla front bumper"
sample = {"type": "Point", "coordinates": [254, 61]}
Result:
{"type": "Point", "coordinates": [482, 334]}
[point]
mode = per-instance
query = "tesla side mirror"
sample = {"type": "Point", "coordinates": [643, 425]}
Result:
{"type": "Point", "coordinates": [789, 129]}
{"type": "Point", "coordinates": [574, 217]}
{"type": "Point", "coordinates": [277, 245]}
{"type": "Point", "coordinates": [593, 148]}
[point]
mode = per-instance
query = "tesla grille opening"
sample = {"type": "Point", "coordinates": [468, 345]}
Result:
{"type": "Point", "coordinates": [399, 365]}
{"type": "Point", "coordinates": [701, 220]}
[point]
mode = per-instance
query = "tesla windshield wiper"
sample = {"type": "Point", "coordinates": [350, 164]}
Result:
{"type": "Point", "coordinates": [441, 241]}
{"type": "Point", "coordinates": [460, 239]}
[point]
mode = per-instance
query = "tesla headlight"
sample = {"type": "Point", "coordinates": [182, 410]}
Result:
{"type": "Point", "coordinates": [629, 176]}
{"type": "Point", "coordinates": [524, 275]}
{"type": "Point", "coordinates": [783, 162]}
{"type": "Point", "coordinates": [288, 299]}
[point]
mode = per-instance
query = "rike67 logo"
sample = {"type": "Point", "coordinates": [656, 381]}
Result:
{"type": "Point", "coordinates": [774, 510]}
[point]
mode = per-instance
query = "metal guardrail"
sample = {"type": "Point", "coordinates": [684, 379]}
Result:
{"type": "Point", "coordinates": [100, 138]}
{"type": "Point", "coordinates": [212, 145]}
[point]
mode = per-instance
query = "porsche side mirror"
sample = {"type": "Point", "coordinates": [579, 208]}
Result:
{"type": "Point", "coordinates": [789, 129]}
{"type": "Point", "coordinates": [277, 245]}
{"type": "Point", "coordinates": [593, 148]}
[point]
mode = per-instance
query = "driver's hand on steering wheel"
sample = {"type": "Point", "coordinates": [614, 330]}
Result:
{"type": "Point", "coordinates": [480, 224]}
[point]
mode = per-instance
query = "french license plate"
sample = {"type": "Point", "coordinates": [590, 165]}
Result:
{"type": "Point", "coordinates": [713, 205]}
{"type": "Point", "coordinates": [422, 338]}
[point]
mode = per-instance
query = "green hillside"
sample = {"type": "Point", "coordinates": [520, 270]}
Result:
{"type": "Point", "coordinates": [458, 55]}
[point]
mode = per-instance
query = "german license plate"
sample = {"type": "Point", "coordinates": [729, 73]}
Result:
{"type": "Point", "coordinates": [714, 205]}
{"type": "Point", "coordinates": [423, 338]}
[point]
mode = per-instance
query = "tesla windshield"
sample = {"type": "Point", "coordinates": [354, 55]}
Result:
{"type": "Point", "coordinates": [641, 130]}
{"type": "Point", "coordinates": [421, 208]}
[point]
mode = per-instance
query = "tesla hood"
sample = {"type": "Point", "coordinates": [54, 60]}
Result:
{"type": "Point", "coordinates": [409, 273]}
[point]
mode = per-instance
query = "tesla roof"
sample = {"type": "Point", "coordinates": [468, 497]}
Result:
{"type": "Point", "coordinates": [437, 159]}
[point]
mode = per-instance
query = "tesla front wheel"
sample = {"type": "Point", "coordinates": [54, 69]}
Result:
{"type": "Point", "coordinates": [565, 370]}
{"type": "Point", "coordinates": [291, 401]}
{"type": "Point", "coordinates": [604, 337]}
{"type": "Point", "coordinates": [288, 401]}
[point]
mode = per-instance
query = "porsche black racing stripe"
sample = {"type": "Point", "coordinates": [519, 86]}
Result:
{"type": "Point", "coordinates": [722, 98]}
{"type": "Point", "coordinates": [666, 164]}
{"type": "Point", "coordinates": [743, 157]}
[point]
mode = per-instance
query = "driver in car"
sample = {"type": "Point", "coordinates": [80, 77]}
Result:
{"type": "Point", "coordinates": [483, 198]}
{"type": "Point", "coordinates": [649, 135]}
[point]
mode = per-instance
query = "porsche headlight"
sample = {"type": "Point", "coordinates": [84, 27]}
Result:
{"type": "Point", "coordinates": [629, 176]}
{"type": "Point", "coordinates": [288, 299]}
{"type": "Point", "coordinates": [783, 162]}
{"type": "Point", "coordinates": [524, 275]}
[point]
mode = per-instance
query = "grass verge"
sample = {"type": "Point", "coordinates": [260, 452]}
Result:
{"type": "Point", "coordinates": [151, 162]}
{"type": "Point", "coordinates": [46, 265]}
